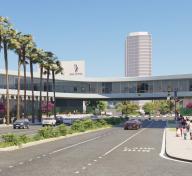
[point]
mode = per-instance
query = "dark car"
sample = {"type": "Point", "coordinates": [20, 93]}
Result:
{"type": "Point", "coordinates": [59, 120]}
{"type": "Point", "coordinates": [132, 124]}
{"type": "Point", "coordinates": [21, 123]}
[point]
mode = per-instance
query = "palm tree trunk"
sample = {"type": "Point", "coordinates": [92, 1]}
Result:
{"type": "Point", "coordinates": [25, 84]}
{"type": "Point", "coordinates": [54, 108]}
{"type": "Point", "coordinates": [7, 82]}
{"type": "Point", "coordinates": [32, 89]}
{"type": "Point", "coordinates": [18, 86]}
{"type": "Point", "coordinates": [40, 96]}
{"type": "Point", "coordinates": [47, 92]}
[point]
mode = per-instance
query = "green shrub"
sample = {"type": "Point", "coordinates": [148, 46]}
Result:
{"type": "Point", "coordinates": [88, 124]}
{"type": "Point", "coordinates": [62, 129]}
{"type": "Point", "coordinates": [37, 137]}
{"type": "Point", "coordinates": [78, 126]}
{"type": "Point", "coordinates": [46, 132]}
{"type": "Point", "coordinates": [11, 138]}
{"type": "Point", "coordinates": [102, 122]}
{"type": "Point", "coordinates": [24, 138]}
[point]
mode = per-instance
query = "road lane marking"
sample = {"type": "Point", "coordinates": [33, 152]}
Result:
{"type": "Point", "coordinates": [30, 160]}
{"type": "Point", "coordinates": [89, 164]}
{"type": "Point", "coordinates": [77, 172]}
{"type": "Point", "coordinates": [38, 157]}
{"type": "Point", "coordinates": [117, 146]}
{"type": "Point", "coordinates": [74, 145]}
{"type": "Point", "coordinates": [95, 160]}
{"type": "Point", "coordinates": [100, 157]}
{"type": "Point", "coordinates": [83, 167]}
{"type": "Point", "coordinates": [20, 163]}
{"type": "Point", "coordinates": [11, 166]}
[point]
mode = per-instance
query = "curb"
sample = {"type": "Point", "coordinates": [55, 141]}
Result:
{"type": "Point", "coordinates": [12, 148]}
{"type": "Point", "coordinates": [173, 157]}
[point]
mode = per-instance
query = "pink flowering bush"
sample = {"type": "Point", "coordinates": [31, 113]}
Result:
{"type": "Point", "coordinates": [2, 108]}
{"type": "Point", "coordinates": [189, 105]}
{"type": "Point", "coordinates": [44, 106]}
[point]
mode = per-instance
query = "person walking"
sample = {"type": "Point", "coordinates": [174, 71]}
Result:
{"type": "Point", "coordinates": [190, 129]}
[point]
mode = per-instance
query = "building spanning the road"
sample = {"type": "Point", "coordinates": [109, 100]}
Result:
{"type": "Point", "coordinates": [138, 54]}
{"type": "Point", "coordinates": [71, 92]}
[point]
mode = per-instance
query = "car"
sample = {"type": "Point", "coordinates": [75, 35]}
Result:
{"type": "Point", "coordinates": [132, 124]}
{"type": "Point", "coordinates": [48, 121]}
{"type": "Point", "coordinates": [21, 123]}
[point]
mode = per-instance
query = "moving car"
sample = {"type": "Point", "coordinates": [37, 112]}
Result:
{"type": "Point", "coordinates": [21, 123]}
{"type": "Point", "coordinates": [132, 124]}
{"type": "Point", "coordinates": [48, 121]}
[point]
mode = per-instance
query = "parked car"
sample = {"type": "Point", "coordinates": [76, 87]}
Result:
{"type": "Point", "coordinates": [21, 123]}
{"type": "Point", "coordinates": [48, 121]}
{"type": "Point", "coordinates": [132, 124]}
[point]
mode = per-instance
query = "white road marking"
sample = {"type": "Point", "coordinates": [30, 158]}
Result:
{"type": "Point", "coordinates": [20, 163]}
{"type": "Point", "coordinates": [84, 168]}
{"type": "Point", "coordinates": [100, 157]}
{"type": "Point", "coordinates": [77, 172]}
{"type": "Point", "coordinates": [89, 164]}
{"type": "Point", "coordinates": [44, 155]}
{"type": "Point", "coordinates": [162, 153]}
{"type": "Point", "coordinates": [11, 166]}
{"type": "Point", "coordinates": [74, 145]}
{"type": "Point", "coordinates": [38, 157]}
{"type": "Point", "coordinates": [133, 150]}
{"type": "Point", "coordinates": [117, 146]}
{"type": "Point", "coordinates": [95, 160]}
{"type": "Point", "coordinates": [30, 160]}
{"type": "Point", "coordinates": [138, 150]}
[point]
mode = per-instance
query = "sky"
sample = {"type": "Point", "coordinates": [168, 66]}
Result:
{"type": "Point", "coordinates": [95, 31]}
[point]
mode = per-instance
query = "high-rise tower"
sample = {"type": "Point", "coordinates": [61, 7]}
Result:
{"type": "Point", "coordinates": [138, 54]}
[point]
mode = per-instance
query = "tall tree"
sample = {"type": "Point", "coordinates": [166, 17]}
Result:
{"type": "Point", "coordinates": [55, 69]}
{"type": "Point", "coordinates": [47, 66]}
{"type": "Point", "coordinates": [31, 54]}
{"type": "Point", "coordinates": [26, 40]}
{"type": "Point", "coordinates": [6, 35]}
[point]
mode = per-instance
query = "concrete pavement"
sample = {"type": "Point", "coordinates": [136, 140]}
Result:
{"type": "Point", "coordinates": [177, 147]}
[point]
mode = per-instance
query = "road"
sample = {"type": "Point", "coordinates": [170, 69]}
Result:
{"type": "Point", "coordinates": [32, 130]}
{"type": "Point", "coordinates": [110, 152]}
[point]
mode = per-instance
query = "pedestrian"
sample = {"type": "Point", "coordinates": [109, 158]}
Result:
{"type": "Point", "coordinates": [178, 132]}
{"type": "Point", "coordinates": [185, 133]}
{"type": "Point", "coordinates": [190, 129]}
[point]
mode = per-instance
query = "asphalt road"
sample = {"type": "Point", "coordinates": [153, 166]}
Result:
{"type": "Point", "coordinates": [110, 152]}
{"type": "Point", "coordinates": [32, 130]}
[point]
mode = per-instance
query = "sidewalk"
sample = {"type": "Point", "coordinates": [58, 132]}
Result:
{"type": "Point", "coordinates": [4, 125]}
{"type": "Point", "coordinates": [177, 147]}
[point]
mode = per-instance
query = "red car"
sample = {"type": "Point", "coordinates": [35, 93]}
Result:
{"type": "Point", "coordinates": [132, 124]}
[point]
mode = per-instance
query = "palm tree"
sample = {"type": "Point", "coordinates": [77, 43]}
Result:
{"type": "Point", "coordinates": [31, 54]}
{"type": "Point", "coordinates": [47, 66]}
{"type": "Point", "coordinates": [6, 34]}
{"type": "Point", "coordinates": [41, 61]}
{"type": "Point", "coordinates": [16, 46]}
{"type": "Point", "coordinates": [26, 40]}
{"type": "Point", "coordinates": [55, 69]}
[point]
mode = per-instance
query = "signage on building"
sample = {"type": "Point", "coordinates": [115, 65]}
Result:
{"type": "Point", "coordinates": [73, 68]}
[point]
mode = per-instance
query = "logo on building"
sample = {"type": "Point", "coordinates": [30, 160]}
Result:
{"type": "Point", "coordinates": [76, 68]}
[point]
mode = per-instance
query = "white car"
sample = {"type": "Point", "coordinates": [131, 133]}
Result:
{"type": "Point", "coordinates": [48, 121]}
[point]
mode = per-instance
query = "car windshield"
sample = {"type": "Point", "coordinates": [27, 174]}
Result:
{"type": "Point", "coordinates": [19, 121]}
{"type": "Point", "coordinates": [48, 119]}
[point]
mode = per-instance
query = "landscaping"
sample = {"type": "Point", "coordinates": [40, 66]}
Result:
{"type": "Point", "coordinates": [61, 130]}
